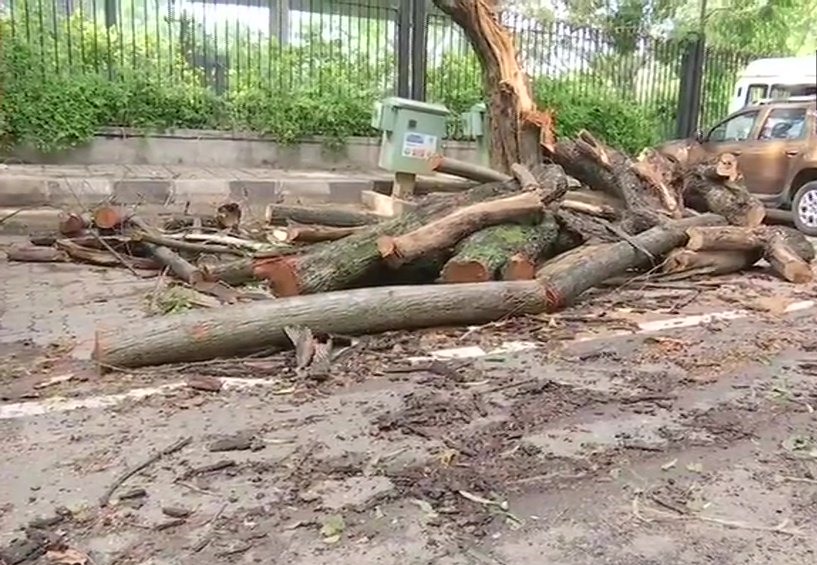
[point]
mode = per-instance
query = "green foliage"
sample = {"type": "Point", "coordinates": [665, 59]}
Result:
{"type": "Point", "coordinates": [609, 113]}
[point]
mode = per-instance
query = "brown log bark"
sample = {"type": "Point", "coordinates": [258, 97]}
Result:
{"type": "Point", "coordinates": [36, 254]}
{"type": "Point", "coordinates": [228, 216]}
{"type": "Point", "coordinates": [466, 170]}
{"type": "Point", "coordinates": [713, 262]}
{"type": "Point", "coordinates": [661, 173]}
{"type": "Point", "coordinates": [426, 185]}
{"type": "Point", "coordinates": [709, 187]}
{"type": "Point", "coordinates": [180, 267]}
{"type": "Point", "coordinates": [609, 171]}
{"type": "Point", "coordinates": [282, 214]}
{"type": "Point", "coordinates": [71, 223]}
{"type": "Point", "coordinates": [507, 251]}
{"type": "Point", "coordinates": [103, 258]}
{"type": "Point", "coordinates": [570, 274]}
{"type": "Point", "coordinates": [187, 246]}
{"type": "Point", "coordinates": [516, 123]}
{"type": "Point", "coordinates": [178, 223]}
{"type": "Point", "coordinates": [243, 329]}
{"type": "Point", "coordinates": [785, 261]}
{"type": "Point", "coordinates": [445, 232]}
{"type": "Point", "coordinates": [725, 238]}
{"type": "Point", "coordinates": [341, 264]}
{"type": "Point", "coordinates": [313, 233]}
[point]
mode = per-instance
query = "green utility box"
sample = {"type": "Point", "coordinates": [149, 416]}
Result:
{"type": "Point", "coordinates": [412, 132]}
{"type": "Point", "coordinates": [475, 126]}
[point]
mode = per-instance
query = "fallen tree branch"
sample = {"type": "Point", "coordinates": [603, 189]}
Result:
{"type": "Point", "coordinates": [466, 170]}
{"type": "Point", "coordinates": [182, 245]}
{"type": "Point", "coordinates": [313, 233]}
{"type": "Point", "coordinates": [118, 481]}
{"type": "Point", "coordinates": [323, 215]}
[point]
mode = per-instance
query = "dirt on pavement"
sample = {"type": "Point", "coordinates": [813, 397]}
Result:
{"type": "Point", "coordinates": [604, 444]}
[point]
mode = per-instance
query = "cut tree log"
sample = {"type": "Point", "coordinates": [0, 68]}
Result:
{"type": "Point", "coordinates": [785, 261]}
{"type": "Point", "coordinates": [281, 214]}
{"type": "Point", "coordinates": [313, 233]}
{"type": "Point", "coordinates": [108, 217]}
{"type": "Point", "coordinates": [777, 217]}
{"type": "Point", "coordinates": [71, 223]}
{"type": "Point", "coordinates": [340, 264]}
{"type": "Point", "coordinates": [485, 255]}
{"type": "Point", "coordinates": [661, 173]}
{"type": "Point", "coordinates": [568, 275]}
{"type": "Point", "coordinates": [182, 245]}
{"type": "Point", "coordinates": [228, 216]}
{"type": "Point", "coordinates": [709, 262]}
{"type": "Point", "coordinates": [609, 171]}
{"type": "Point", "coordinates": [466, 170]}
{"type": "Point", "coordinates": [248, 328]}
{"type": "Point", "coordinates": [104, 258]}
{"type": "Point", "coordinates": [706, 190]}
{"type": "Point", "coordinates": [515, 122]}
{"type": "Point", "coordinates": [36, 254]}
{"type": "Point", "coordinates": [446, 231]}
{"type": "Point", "coordinates": [725, 238]}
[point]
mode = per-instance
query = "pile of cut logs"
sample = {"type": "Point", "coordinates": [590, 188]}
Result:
{"type": "Point", "coordinates": [529, 242]}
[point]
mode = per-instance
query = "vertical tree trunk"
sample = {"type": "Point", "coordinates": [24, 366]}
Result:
{"type": "Point", "coordinates": [514, 118]}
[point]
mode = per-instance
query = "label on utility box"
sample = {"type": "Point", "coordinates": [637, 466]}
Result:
{"type": "Point", "coordinates": [419, 145]}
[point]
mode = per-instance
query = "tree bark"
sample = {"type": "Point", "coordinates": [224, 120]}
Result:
{"type": "Point", "coordinates": [570, 274]}
{"type": "Point", "coordinates": [466, 170]}
{"type": "Point", "coordinates": [281, 214]}
{"type": "Point", "coordinates": [447, 231]}
{"type": "Point", "coordinates": [243, 329]}
{"type": "Point", "coordinates": [712, 262]}
{"type": "Point", "coordinates": [36, 254]}
{"type": "Point", "coordinates": [313, 233]}
{"type": "Point", "coordinates": [725, 238]}
{"type": "Point", "coordinates": [103, 257]}
{"type": "Point", "coordinates": [515, 122]}
{"type": "Point", "coordinates": [340, 264]}
{"type": "Point", "coordinates": [785, 261]}
{"type": "Point", "coordinates": [487, 254]}
{"type": "Point", "coordinates": [705, 190]}
{"type": "Point", "coordinates": [71, 223]}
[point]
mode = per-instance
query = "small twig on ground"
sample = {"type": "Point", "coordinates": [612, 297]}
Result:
{"type": "Point", "coordinates": [176, 446]}
{"type": "Point", "coordinates": [12, 214]}
{"type": "Point", "coordinates": [506, 386]}
{"type": "Point", "coordinates": [208, 536]}
{"type": "Point", "coordinates": [803, 480]}
{"type": "Point", "coordinates": [781, 528]}
{"type": "Point", "coordinates": [154, 295]}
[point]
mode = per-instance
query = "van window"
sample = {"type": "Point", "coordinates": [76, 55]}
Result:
{"type": "Point", "coordinates": [755, 92]}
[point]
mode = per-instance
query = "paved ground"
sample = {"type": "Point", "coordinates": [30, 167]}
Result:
{"type": "Point", "coordinates": [596, 436]}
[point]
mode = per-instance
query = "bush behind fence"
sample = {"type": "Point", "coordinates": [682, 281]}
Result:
{"type": "Point", "coordinates": [71, 66]}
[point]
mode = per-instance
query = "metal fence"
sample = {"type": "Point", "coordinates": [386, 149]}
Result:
{"type": "Point", "coordinates": [330, 47]}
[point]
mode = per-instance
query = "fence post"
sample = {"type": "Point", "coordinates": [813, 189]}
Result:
{"type": "Point", "coordinates": [689, 99]}
{"type": "Point", "coordinates": [403, 47]}
{"type": "Point", "coordinates": [419, 39]}
{"type": "Point", "coordinates": [111, 9]}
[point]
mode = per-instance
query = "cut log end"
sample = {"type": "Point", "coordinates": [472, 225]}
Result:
{"type": "Point", "coordinates": [387, 248]}
{"type": "Point", "coordinates": [519, 268]}
{"type": "Point", "coordinates": [280, 273]}
{"type": "Point", "coordinates": [464, 272]}
{"type": "Point", "coordinates": [72, 224]}
{"type": "Point", "coordinates": [755, 214]}
{"type": "Point", "coordinates": [108, 217]}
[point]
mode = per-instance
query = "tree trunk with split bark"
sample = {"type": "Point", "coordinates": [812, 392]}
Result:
{"type": "Point", "coordinates": [514, 119]}
{"type": "Point", "coordinates": [714, 186]}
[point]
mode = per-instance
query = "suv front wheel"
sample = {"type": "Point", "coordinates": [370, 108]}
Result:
{"type": "Point", "coordinates": [804, 208]}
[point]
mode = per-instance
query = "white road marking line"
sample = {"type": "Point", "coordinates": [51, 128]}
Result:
{"type": "Point", "coordinates": [62, 404]}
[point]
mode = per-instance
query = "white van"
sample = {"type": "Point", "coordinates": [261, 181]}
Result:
{"type": "Point", "coordinates": [777, 78]}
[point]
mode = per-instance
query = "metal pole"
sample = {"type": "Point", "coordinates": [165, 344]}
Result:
{"type": "Point", "coordinates": [403, 48]}
{"type": "Point", "coordinates": [419, 37]}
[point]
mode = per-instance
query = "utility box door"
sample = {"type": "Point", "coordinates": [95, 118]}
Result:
{"type": "Point", "coordinates": [412, 134]}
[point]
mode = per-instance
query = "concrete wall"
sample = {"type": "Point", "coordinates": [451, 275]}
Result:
{"type": "Point", "coordinates": [204, 148]}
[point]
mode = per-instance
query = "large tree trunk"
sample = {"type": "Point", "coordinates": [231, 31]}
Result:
{"type": "Point", "coordinates": [501, 252]}
{"type": "Point", "coordinates": [785, 260]}
{"type": "Point", "coordinates": [515, 121]}
{"type": "Point", "coordinates": [713, 186]}
{"type": "Point", "coordinates": [340, 264]}
{"type": "Point", "coordinates": [567, 276]}
{"type": "Point", "coordinates": [243, 329]}
{"type": "Point", "coordinates": [725, 238]}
